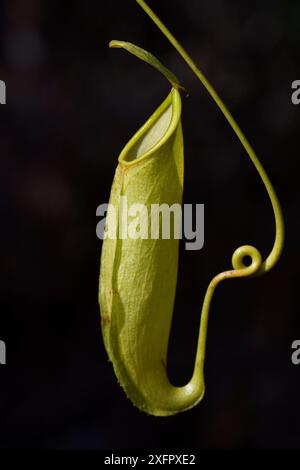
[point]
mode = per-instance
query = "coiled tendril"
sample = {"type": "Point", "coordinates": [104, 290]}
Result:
{"type": "Point", "coordinates": [240, 268]}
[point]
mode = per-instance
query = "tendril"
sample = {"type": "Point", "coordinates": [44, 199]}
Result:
{"type": "Point", "coordinates": [240, 268]}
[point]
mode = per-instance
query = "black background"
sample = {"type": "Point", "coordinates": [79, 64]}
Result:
{"type": "Point", "coordinates": [72, 104]}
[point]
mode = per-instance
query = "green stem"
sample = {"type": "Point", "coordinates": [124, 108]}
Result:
{"type": "Point", "coordinates": [257, 267]}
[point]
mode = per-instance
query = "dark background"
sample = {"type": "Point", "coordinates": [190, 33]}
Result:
{"type": "Point", "coordinates": [72, 104]}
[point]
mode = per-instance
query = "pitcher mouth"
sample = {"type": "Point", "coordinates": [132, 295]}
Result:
{"type": "Point", "coordinates": [155, 132]}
